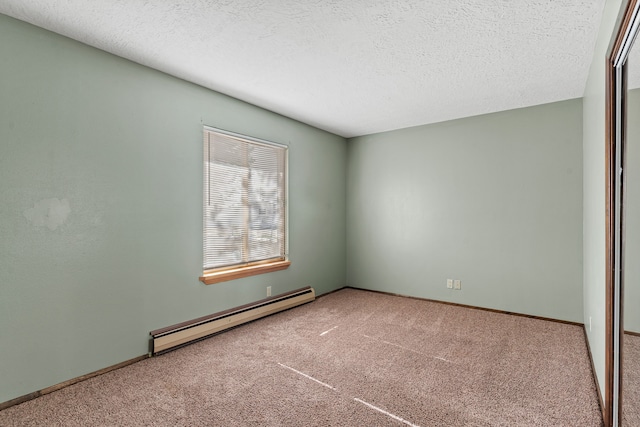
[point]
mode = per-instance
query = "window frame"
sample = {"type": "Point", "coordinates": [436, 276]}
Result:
{"type": "Point", "coordinates": [247, 269]}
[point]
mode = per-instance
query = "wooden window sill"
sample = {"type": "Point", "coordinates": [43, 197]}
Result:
{"type": "Point", "coordinates": [216, 276]}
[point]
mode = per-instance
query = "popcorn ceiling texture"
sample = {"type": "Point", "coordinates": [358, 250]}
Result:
{"type": "Point", "coordinates": [351, 67]}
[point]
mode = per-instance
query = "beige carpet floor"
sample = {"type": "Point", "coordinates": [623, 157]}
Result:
{"type": "Point", "coordinates": [631, 381]}
{"type": "Point", "coordinates": [351, 358]}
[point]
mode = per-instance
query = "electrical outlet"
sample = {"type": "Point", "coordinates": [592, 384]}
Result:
{"type": "Point", "coordinates": [450, 283]}
{"type": "Point", "coordinates": [268, 291]}
{"type": "Point", "coordinates": [457, 285]}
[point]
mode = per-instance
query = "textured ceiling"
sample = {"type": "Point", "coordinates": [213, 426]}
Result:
{"type": "Point", "coordinates": [352, 67]}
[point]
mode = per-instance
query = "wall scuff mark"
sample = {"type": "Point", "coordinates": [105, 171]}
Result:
{"type": "Point", "coordinates": [51, 213]}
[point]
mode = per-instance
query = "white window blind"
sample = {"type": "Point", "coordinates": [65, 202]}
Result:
{"type": "Point", "coordinates": [244, 200]}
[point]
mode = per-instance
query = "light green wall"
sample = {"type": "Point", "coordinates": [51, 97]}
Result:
{"type": "Point", "coordinates": [632, 215]}
{"type": "Point", "coordinates": [593, 150]}
{"type": "Point", "coordinates": [493, 200]}
{"type": "Point", "coordinates": [123, 145]}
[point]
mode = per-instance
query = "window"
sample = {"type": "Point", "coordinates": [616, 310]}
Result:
{"type": "Point", "coordinates": [245, 214]}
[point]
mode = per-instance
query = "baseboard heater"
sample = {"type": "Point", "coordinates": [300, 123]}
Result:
{"type": "Point", "coordinates": [175, 336]}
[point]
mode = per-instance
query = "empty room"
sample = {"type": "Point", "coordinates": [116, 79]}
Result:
{"type": "Point", "coordinates": [349, 213]}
